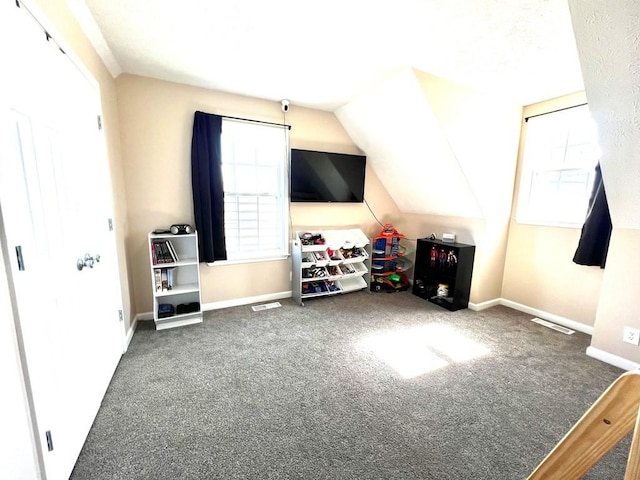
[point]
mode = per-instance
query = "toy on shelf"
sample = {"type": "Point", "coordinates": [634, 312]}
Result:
{"type": "Point", "coordinates": [388, 264]}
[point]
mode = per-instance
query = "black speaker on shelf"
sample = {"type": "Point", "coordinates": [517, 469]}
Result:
{"type": "Point", "coordinates": [181, 229]}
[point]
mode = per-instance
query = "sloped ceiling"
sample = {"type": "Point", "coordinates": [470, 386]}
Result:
{"type": "Point", "coordinates": [322, 55]}
{"type": "Point", "coordinates": [395, 125]}
{"type": "Point", "coordinates": [439, 148]}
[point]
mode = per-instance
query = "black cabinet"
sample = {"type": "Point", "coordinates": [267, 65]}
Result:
{"type": "Point", "coordinates": [442, 272]}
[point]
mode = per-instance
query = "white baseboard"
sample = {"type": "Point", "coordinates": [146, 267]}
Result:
{"type": "Point", "coordinates": [593, 352]}
{"type": "Point", "coordinates": [477, 307]}
{"type": "Point", "coordinates": [565, 322]}
{"type": "Point", "coordinates": [130, 332]}
{"type": "Point", "coordinates": [612, 359]}
{"type": "Point", "coordinates": [134, 324]}
{"type": "Point", "coordinates": [236, 302]}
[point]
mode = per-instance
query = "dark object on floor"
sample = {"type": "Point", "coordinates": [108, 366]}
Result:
{"type": "Point", "coordinates": [187, 308]}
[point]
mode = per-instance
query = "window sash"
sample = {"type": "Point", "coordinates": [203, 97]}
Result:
{"type": "Point", "coordinates": [254, 166]}
{"type": "Point", "coordinates": [558, 165]}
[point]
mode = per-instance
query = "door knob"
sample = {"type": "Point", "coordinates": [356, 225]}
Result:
{"type": "Point", "coordinates": [87, 261]}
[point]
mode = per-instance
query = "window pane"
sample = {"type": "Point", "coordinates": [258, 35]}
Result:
{"type": "Point", "coordinates": [581, 154]}
{"type": "Point", "coordinates": [559, 159]}
{"type": "Point", "coordinates": [255, 157]}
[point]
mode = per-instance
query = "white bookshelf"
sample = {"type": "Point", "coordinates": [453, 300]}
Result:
{"type": "Point", "coordinates": [182, 287]}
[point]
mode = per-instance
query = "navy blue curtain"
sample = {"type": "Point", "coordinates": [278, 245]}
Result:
{"type": "Point", "coordinates": [596, 231]}
{"type": "Point", "coordinates": [206, 181]}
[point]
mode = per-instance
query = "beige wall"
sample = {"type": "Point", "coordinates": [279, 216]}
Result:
{"type": "Point", "coordinates": [619, 302]}
{"type": "Point", "coordinates": [539, 271]}
{"type": "Point", "coordinates": [607, 34]}
{"type": "Point", "coordinates": [156, 120]}
{"type": "Point", "coordinates": [59, 15]}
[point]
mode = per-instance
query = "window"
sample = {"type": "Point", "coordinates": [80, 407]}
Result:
{"type": "Point", "coordinates": [558, 168]}
{"type": "Point", "coordinates": [254, 173]}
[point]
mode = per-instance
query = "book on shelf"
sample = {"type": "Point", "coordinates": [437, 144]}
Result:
{"type": "Point", "coordinates": [158, 256]}
{"type": "Point", "coordinates": [157, 275]}
{"type": "Point", "coordinates": [154, 254]}
{"type": "Point", "coordinates": [173, 252]}
{"type": "Point", "coordinates": [170, 278]}
{"type": "Point", "coordinates": [165, 283]}
{"type": "Point", "coordinates": [163, 252]}
{"type": "Point", "coordinates": [166, 253]}
{"type": "Point", "coordinates": [164, 279]}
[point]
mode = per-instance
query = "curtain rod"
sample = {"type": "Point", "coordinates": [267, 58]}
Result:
{"type": "Point", "coordinates": [258, 121]}
{"type": "Point", "coordinates": [526, 119]}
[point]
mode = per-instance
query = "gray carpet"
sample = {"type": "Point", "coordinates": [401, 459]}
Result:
{"type": "Point", "coordinates": [309, 393]}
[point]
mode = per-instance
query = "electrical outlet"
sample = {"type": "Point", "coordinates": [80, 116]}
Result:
{"type": "Point", "coordinates": [631, 335]}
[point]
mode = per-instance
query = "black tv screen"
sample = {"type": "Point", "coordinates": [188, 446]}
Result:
{"type": "Point", "coordinates": [326, 177]}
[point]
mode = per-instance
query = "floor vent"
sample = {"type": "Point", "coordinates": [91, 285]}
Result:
{"type": "Point", "coordinates": [553, 326]}
{"type": "Point", "coordinates": [265, 306]}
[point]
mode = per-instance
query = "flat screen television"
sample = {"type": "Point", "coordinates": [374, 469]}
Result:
{"type": "Point", "coordinates": [326, 177]}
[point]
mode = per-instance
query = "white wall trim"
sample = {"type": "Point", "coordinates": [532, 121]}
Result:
{"type": "Point", "coordinates": [612, 359]}
{"type": "Point", "coordinates": [143, 317]}
{"type": "Point", "coordinates": [91, 29]}
{"type": "Point", "coordinates": [132, 330]}
{"type": "Point", "coordinates": [565, 322]}
{"type": "Point", "coordinates": [593, 352]}
{"type": "Point", "coordinates": [140, 317]}
{"type": "Point", "coordinates": [477, 307]}
{"type": "Point", "coordinates": [236, 302]}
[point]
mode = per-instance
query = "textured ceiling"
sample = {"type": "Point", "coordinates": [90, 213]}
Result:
{"type": "Point", "coordinates": [323, 54]}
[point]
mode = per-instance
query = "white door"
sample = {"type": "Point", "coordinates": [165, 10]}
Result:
{"type": "Point", "coordinates": [55, 195]}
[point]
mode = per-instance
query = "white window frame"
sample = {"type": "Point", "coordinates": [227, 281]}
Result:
{"type": "Point", "coordinates": [558, 168]}
{"type": "Point", "coordinates": [255, 149]}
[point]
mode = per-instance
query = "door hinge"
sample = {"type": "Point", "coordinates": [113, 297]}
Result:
{"type": "Point", "coordinates": [121, 315]}
{"type": "Point", "coordinates": [110, 221]}
{"type": "Point", "coordinates": [20, 258]}
{"type": "Point", "coordinates": [49, 440]}
{"type": "Point", "coordinates": [99, 122]}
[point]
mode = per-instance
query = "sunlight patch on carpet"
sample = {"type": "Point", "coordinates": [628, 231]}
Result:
{"type": "Point", "coordinates": [415, 351]}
